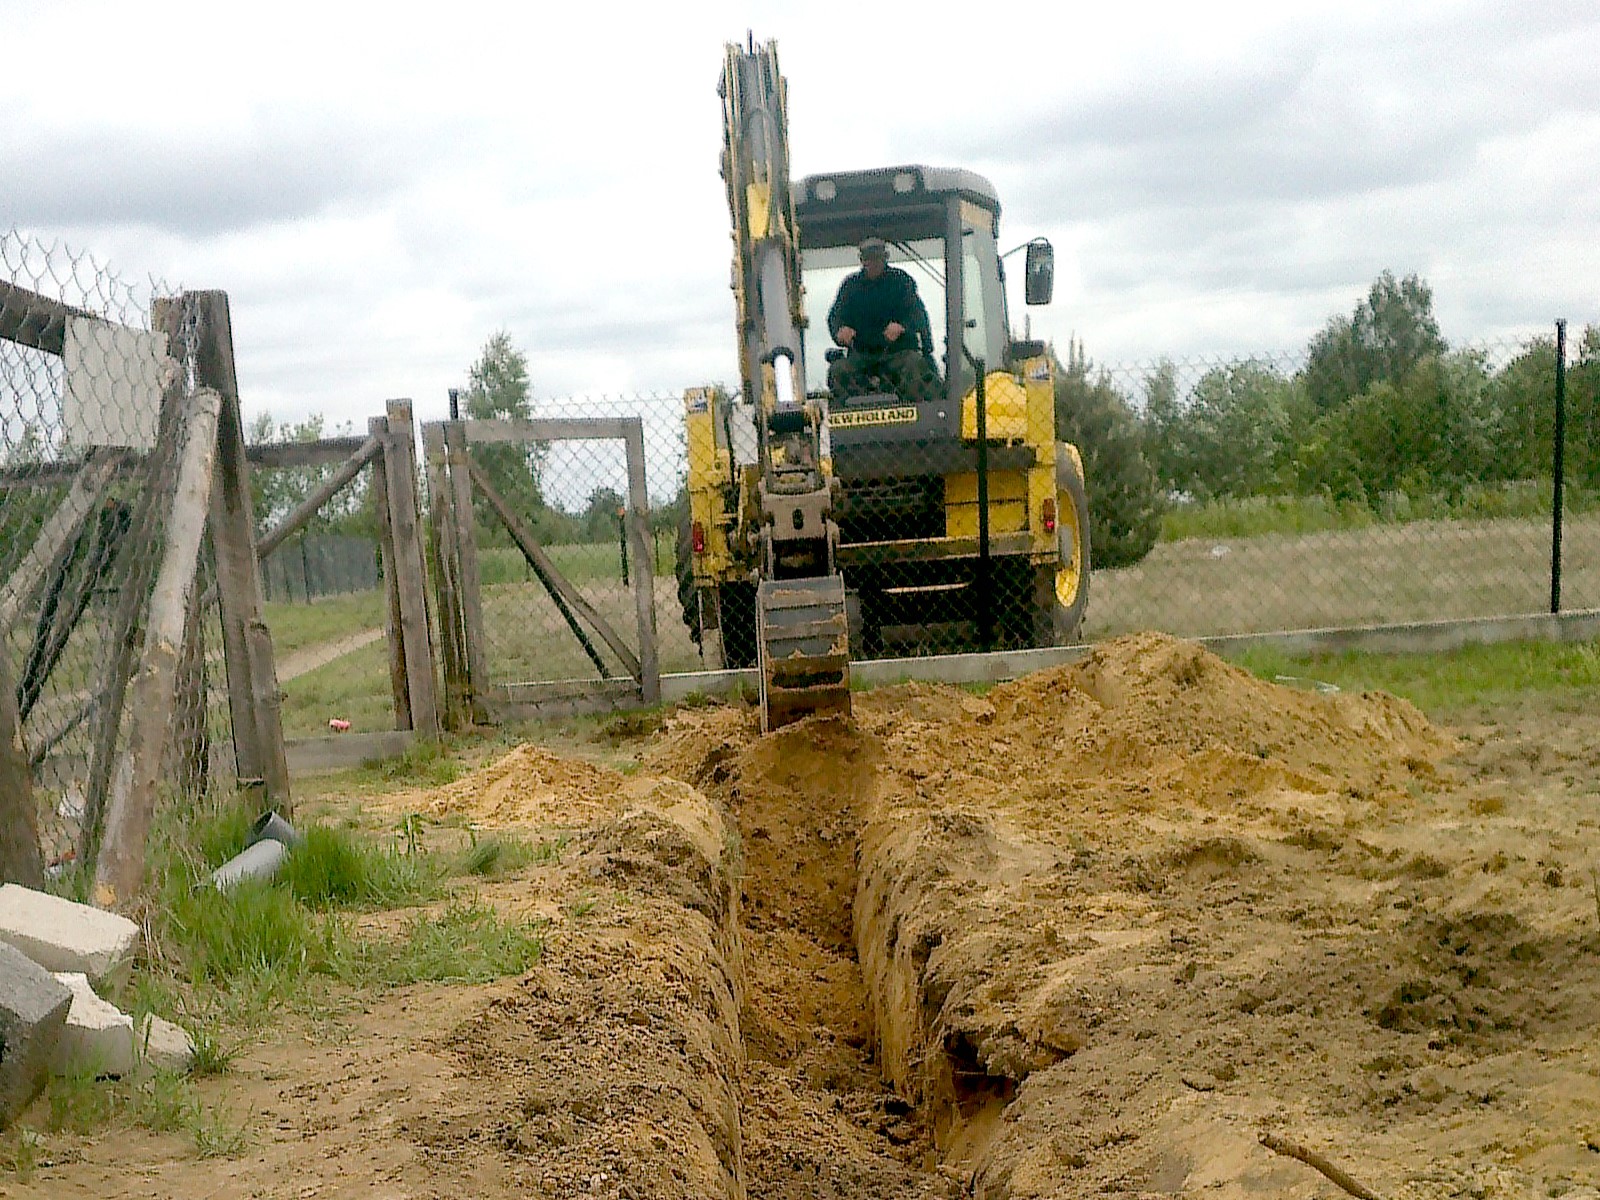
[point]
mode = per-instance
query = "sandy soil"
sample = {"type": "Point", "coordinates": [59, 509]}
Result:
{"type": "Point", "coordinates": [1102, 932]}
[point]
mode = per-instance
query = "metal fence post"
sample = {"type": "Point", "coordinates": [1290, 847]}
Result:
{"type": "Point", "coordinates": [1558, 465]}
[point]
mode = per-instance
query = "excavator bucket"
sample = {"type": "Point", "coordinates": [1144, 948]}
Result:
{"type": "Point", "coordinates": [804, 638]}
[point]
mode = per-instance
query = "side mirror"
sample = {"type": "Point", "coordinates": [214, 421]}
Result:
{"type": "Point", "coordinates": [1039, 278]}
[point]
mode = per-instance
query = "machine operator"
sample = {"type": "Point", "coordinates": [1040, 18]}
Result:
{"type": "Point", "coordinates": [883, 326]}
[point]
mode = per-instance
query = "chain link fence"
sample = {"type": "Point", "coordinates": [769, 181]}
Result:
{"type": "Point", "coordinates": [89, 456]}
{"type": "Point", "coordinates": [1227, 496]}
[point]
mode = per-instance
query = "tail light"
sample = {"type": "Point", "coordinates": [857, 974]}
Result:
{"type": "Point", "coordinates": [697, 537]}
{"type": "Point", "coordinates": [1049, 514]}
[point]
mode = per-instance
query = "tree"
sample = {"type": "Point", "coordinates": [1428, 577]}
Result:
{"type": "Point", "coordinates": [1163, 422]}
{"type": "Point", "coordinates": [602, 515]}
{"type": "Point", "coordinates": [276, 492]}
{"type": "Point", "coordinates": [1125, 501]}
{"type": "Point", "coordinates": [1234, 435]}
{"type": "Point", "coordinates": [1430, 432]}
{"type": "Point", "coordinates": [498, 387]}
{"type": "Point", "coordinates": [1388, 334]}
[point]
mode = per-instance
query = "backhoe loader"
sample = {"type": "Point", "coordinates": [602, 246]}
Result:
{"type": "Point", "coordinates": [822, 526]}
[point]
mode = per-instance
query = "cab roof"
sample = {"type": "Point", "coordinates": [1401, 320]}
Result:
{"type": "Point", "coordinates": [852, 188]}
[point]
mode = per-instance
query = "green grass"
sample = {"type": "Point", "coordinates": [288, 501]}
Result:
{"type": "Point", "coordinates": [582, 562]}
{"type": "Point", "coordinates": [426, 763]}
{"type": "Point", "coordinates": [354, 687]}
{"type": "Point", "coordinates": [334, 868]}
{"type": "Point", "coordinates": [79, 1103]}
{"type": "Point", "coordinates": [1448, 682]}
{"type": "Point", "coordinates": [1256, 516]}
{"type": "Point", "coordinates": [465, 942]}
{"type": "Point", "coordinates": [235, 960]}
{"type": "Point", "coordinates": [498, 855]}
{"type": "Point", "coordinates": [296, 626]}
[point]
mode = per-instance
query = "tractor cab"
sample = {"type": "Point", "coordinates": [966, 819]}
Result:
{"type": "Point", "coordinates": [941, 227]}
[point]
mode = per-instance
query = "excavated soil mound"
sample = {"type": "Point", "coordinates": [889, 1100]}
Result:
{"type": "Point", "coordinates": [528, 786]}
{"type": "Point", "coordinates": [1116, 920]}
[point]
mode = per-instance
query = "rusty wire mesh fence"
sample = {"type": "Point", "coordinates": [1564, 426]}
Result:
{"type": "Point", "coordinates": [88, 466]}
{"type": "Point", "coordinates": [1223, 496]}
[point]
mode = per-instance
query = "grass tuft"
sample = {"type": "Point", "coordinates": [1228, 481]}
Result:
{"type": "Point", "coordinates": [211, 1055]}
{"type": "Point", "coordinates": [463, 943]}
{"type": "Point", "coordinates": [251, 928]}
{"type": "Point", "coordinates": [427, 762]}
{"type": "Point", "coordinates": [333, 868]}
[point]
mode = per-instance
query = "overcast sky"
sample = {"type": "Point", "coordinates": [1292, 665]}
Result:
{"type": "Point", "coordinates": [379, 188]}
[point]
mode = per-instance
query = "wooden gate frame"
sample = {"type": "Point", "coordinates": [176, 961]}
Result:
{"type": "Point", "coordinates": [388, 453]}
{"type": "Point", "coordinates": [453, 561]}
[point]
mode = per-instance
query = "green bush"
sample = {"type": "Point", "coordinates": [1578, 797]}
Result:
{"type": "Point", "coordinates": [1125, 501]}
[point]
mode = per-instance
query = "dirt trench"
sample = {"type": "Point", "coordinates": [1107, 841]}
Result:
{"type": "Point", "coordinates": [818, 1118]}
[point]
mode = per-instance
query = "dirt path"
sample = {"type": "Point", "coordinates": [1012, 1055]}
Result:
{"type": "Point", "coordinates": [309, 658]}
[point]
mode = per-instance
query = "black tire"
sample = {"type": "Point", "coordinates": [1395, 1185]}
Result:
{"type": "Point", "coordinates": [1072, 528]}
{"type": "Point", "coordinates": [737, 605]}
{"type": "Point", "coordinates": [688, 594]}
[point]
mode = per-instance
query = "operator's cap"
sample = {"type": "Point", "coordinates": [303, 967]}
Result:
{"type": "Point", "coordinates": [874, 247]}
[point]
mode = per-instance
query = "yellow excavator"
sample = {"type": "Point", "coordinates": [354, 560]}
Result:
{"type": "Point", "coordinates": [822, 526]}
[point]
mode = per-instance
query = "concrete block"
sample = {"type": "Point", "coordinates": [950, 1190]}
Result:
{"type": "Point", "coordinates": [98, 1035]}
{"type": "Point", "coordinates": [165, 1046]}
{"type": "Point", "coordinates": [33, 1014]}
{"type": "Point", "coordinates": [60, 935]}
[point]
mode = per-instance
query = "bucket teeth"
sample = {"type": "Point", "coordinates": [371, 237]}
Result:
{"type": "Point", "coordinates": [804, 637]}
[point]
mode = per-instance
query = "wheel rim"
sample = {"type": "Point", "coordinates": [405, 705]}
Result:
{"type": "Point", "coordinates": [1069, 575]}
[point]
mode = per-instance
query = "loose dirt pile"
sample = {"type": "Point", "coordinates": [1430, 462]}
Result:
{"type": "Point", "coordinates": [529, 786]}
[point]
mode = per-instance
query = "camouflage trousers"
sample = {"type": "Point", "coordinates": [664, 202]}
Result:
{"type": "Point", "coordinates": [908, 374]}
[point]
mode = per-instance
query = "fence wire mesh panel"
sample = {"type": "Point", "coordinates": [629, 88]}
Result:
{"type": "Point", "coordinates": [91, 438]}
{"type": "Point", "coordinates": [322, 582]}
{"type": "Point", "coordinates": [1297, 492]}
{"type": "Point", "coordinates": [1219, 496]}
{"type": "Point", "coordinates": [548, 564]}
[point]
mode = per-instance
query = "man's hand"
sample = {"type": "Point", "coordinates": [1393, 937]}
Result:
{"type": "Point", "coordinates": [892, 331]}
{"type": "Point", "coordinates": [845, 336]}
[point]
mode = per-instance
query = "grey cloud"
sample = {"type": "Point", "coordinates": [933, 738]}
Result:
{"type": "Point", "coordinates": [203, 186]}
{"type": "Point", "coordinates": [1302, 122]}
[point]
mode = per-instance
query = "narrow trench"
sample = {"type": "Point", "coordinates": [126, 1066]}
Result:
{"type": "Point", "coordinates": [818, 1120]}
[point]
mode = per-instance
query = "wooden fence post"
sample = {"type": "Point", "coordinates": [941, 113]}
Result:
{"type": "Point", "coordinates": [644, 565]}
{"type": "Point", "coordinates": [119, 867]}
{"type": "Point", "coordinates": [469, 586]}
{"type": "Point", "coordinates": [20, 860]}
{"type": "Point", "coordinates": [378, 428]}
{"type": "Point", "coordinates": [400, 465]}
{"type": "Point", "coordinates": [442, 561]}
{"type": "Point", "coordinates": [254, 701]}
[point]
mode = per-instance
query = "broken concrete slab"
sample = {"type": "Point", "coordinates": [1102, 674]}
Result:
{"type": "Point", "coordinates": [33, 1015]}
{"type": "Point", "coordinates": [98, 1035]}
{"type": "Point", "coordinates": [60, 935]}
{"type": "Point", "coordinates": [165, 1046]}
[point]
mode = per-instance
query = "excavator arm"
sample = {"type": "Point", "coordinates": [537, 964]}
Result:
{"type": "Point", "coordinates": [801, 623]}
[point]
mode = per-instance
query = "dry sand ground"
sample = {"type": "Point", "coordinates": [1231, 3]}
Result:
{"type": "Point", "coordinates": [1096, 933]}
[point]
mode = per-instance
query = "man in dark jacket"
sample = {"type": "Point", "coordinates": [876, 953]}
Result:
{"type": "Point", "coordinates": [881, 322]}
